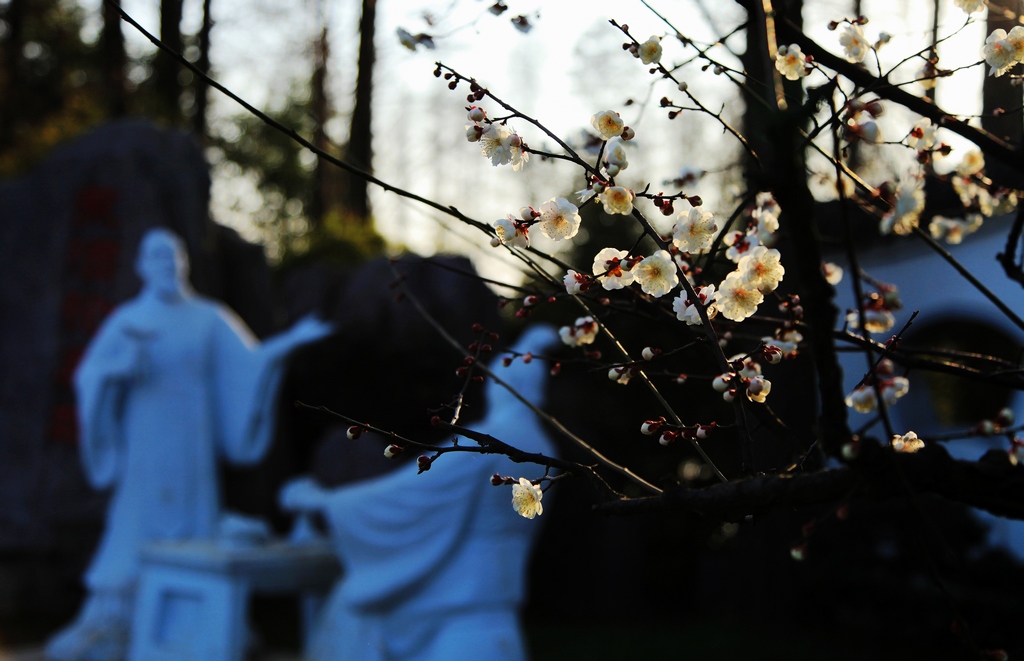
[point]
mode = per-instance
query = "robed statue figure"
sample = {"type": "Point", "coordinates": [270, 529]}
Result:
{"type": "Point", "coordinates": [171, 383]}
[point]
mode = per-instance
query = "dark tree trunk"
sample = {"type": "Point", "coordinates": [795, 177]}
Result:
{"type": "Point", "coordinates": [774, 133]}
{"type": "Point", "coordinates": [165, 67]}
{"type": "Point", "coordinates": [325, 175]}
{"type": "Point", "coordinates": [113, 62]}
{"type": "Point", "coordinates": [201, 88]}
{"type": "Point", "coordinates": [360, 146]}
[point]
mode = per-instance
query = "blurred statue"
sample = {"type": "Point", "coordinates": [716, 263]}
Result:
{"type": "Point", "coordinates": [435, 563]}
{"type": "Point", "coordinates": [170, 383]}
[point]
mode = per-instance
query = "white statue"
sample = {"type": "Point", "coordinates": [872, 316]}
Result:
{"type": "Point", "coordinates": [171, 383]}
{"type": "Point", "coordinates": [435, 563]}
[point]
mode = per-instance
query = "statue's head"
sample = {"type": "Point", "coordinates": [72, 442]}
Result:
{"type": "Point", "coordinates": [162, 262]}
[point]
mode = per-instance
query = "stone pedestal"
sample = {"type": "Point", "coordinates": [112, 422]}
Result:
{"type": "Point", "coordinates": [193, 596]}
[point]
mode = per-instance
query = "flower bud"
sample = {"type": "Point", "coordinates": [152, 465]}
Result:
{"type": "Point", "coordinates": [851, 450]}
{"type": "Point", "coordinates": [772, 354]}
{"type": "Point", "coordinates": [668, 438]}
{"type": "Point", "coordinates": [703, 431]}
{"type": "Point", "coordinates": [495, 242]}
{"type": "Point", "coordinates": [598, 187]}
{"type": "Point", "coordinates": [354, 432]}
{"type": "Point", "coordinates": [477, 114]}
{"type": "Point", "coordinates": [729, 396]}
{"type": "Point", "coordinates": [393, 451]}
{"type": "Point", "coordinates": [798, 552]}
{"type": "Point", "coordinates": [986, 428]}
{"type": "Point", "coordinates": [650, 353]}
{"type": "Point", "coordinates": [683, 86]}
{"type": "Point", "coordinates": [515, 140]}
{"type": "Point", "coordinates": [615, 373]}
{"type": "Point", "coordinates": [650, 427]}
{"type": "Point", "coordinates": [1005, 417]}
{"type": "Point", "coordinates": [531, 300]}
{"type": "Point", "coordinates": [527, 213]}
{"type": "Point", "coordinates": [613, 170]}
{"type": "Point", "coordinates": [628, 133]}
{"type": "Point", "coordinates": [681, 379]}
{"type": "Point", "coordinates": [423, 462]}
{"type": "Point", "coordinates": [721, 382]}
{"type": "Point", "coordinates": [497, 480]}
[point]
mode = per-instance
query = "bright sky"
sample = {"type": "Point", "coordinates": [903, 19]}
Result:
{"type": "Point", "coordinates": [562, 72]}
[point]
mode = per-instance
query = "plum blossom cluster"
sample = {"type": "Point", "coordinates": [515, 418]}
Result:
{"type": "Point", "coordinates": [747, 378]}
{"type": "Point", "coordinates": [1002, 50]}
{"type": "Point", "coordinates": [908, 443]}
{"type": "Point", "coordinates": [649, 52]}
{"type": "Point", "coordinates": [878, 309]}
{"type": "Point", "coordinates": [859, 121]}
{"type": "Point", "coordinates": [497, 141]}
{"type": "Point", "coordinates": [558, 219]}
{"type": "Point", "coordinates": [584, 331]}
{"type": "Point", "coordinates": [907, 202]}
{"type": "Point", "coordinates": [669, 434]}
{"type": "Point", "coordinates": [892, 387]}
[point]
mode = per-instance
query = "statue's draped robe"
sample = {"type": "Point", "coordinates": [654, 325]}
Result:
{"type": "Point", "coordinates": [164, 389]}
{"type": "Point", "coordinates": [435, 563]}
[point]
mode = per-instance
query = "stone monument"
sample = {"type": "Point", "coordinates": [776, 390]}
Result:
{"type": "Point", "coordinates": [170, 383]}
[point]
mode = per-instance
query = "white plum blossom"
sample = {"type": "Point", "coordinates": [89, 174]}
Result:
{"type": "Point", "coordinates": [687, 311]}
{"type": "Point", "coordinates": [749, 368]}
{"type": "Point", "coordinates": [736, 298]}
{"type": "Point", "coordinates": [617, 200]}
{"type": "Point", "coordinates": [608, 268]}
{"type": "Point", "coordinates": [762, 268]}
{"type": "Point", "coordinates": [791, 62]}
{"type": "Point", "coordinates": [922, 135]}
{"type": "Point", "coordinates": [876, 320]}
{"type": "Point", "coordinates": [694, 230]}
{"type": "Point", "coordinates": [969, 6]}
{"type": "Point", "coordinates": [739, 243]}
{"type": "Point", "coordinates": [766, 223]}
{"type": "Point", "coordinates": [855, 44]}
{"type": "Point", "coordinates": [999, 53]}
{"type": "Point", "coordinates": [833, 273]}
{"type": "Point", "coordinates": [575, 282]}
{"type": "Point", "coordinates": [584, 331]}
{"type": "Point", "coordinates": [559, 219]}
{"type": "Point", "coordinates": [972, 163]}
{"type": "Point", "coordinates": [607, 123]}
{"type": "Point", "coordinates": [526, 497]}
{"type": "Point", "coordinates": [953, 230]}
{"type": "Point", "coordinates": [656, 274]}
{"type": "Point", "coordinates": [616, 154]}
{"type": "Point", "coordinates": [788, 343]}
{"type": "Point", "coordinates": [758, 389]}
{"type": "Point", "coordinates": [650, 51]}
{"type": "Point", "coordinates": [905, 214]}
{"type": "Point", "coordinates": [862, 399]}
{"type": "Point", "coordinates": [908, 443]}
{"type": "Point", "coordinates": [503, 146]}
{"type": "Point", "coordinates": [512, 233]}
